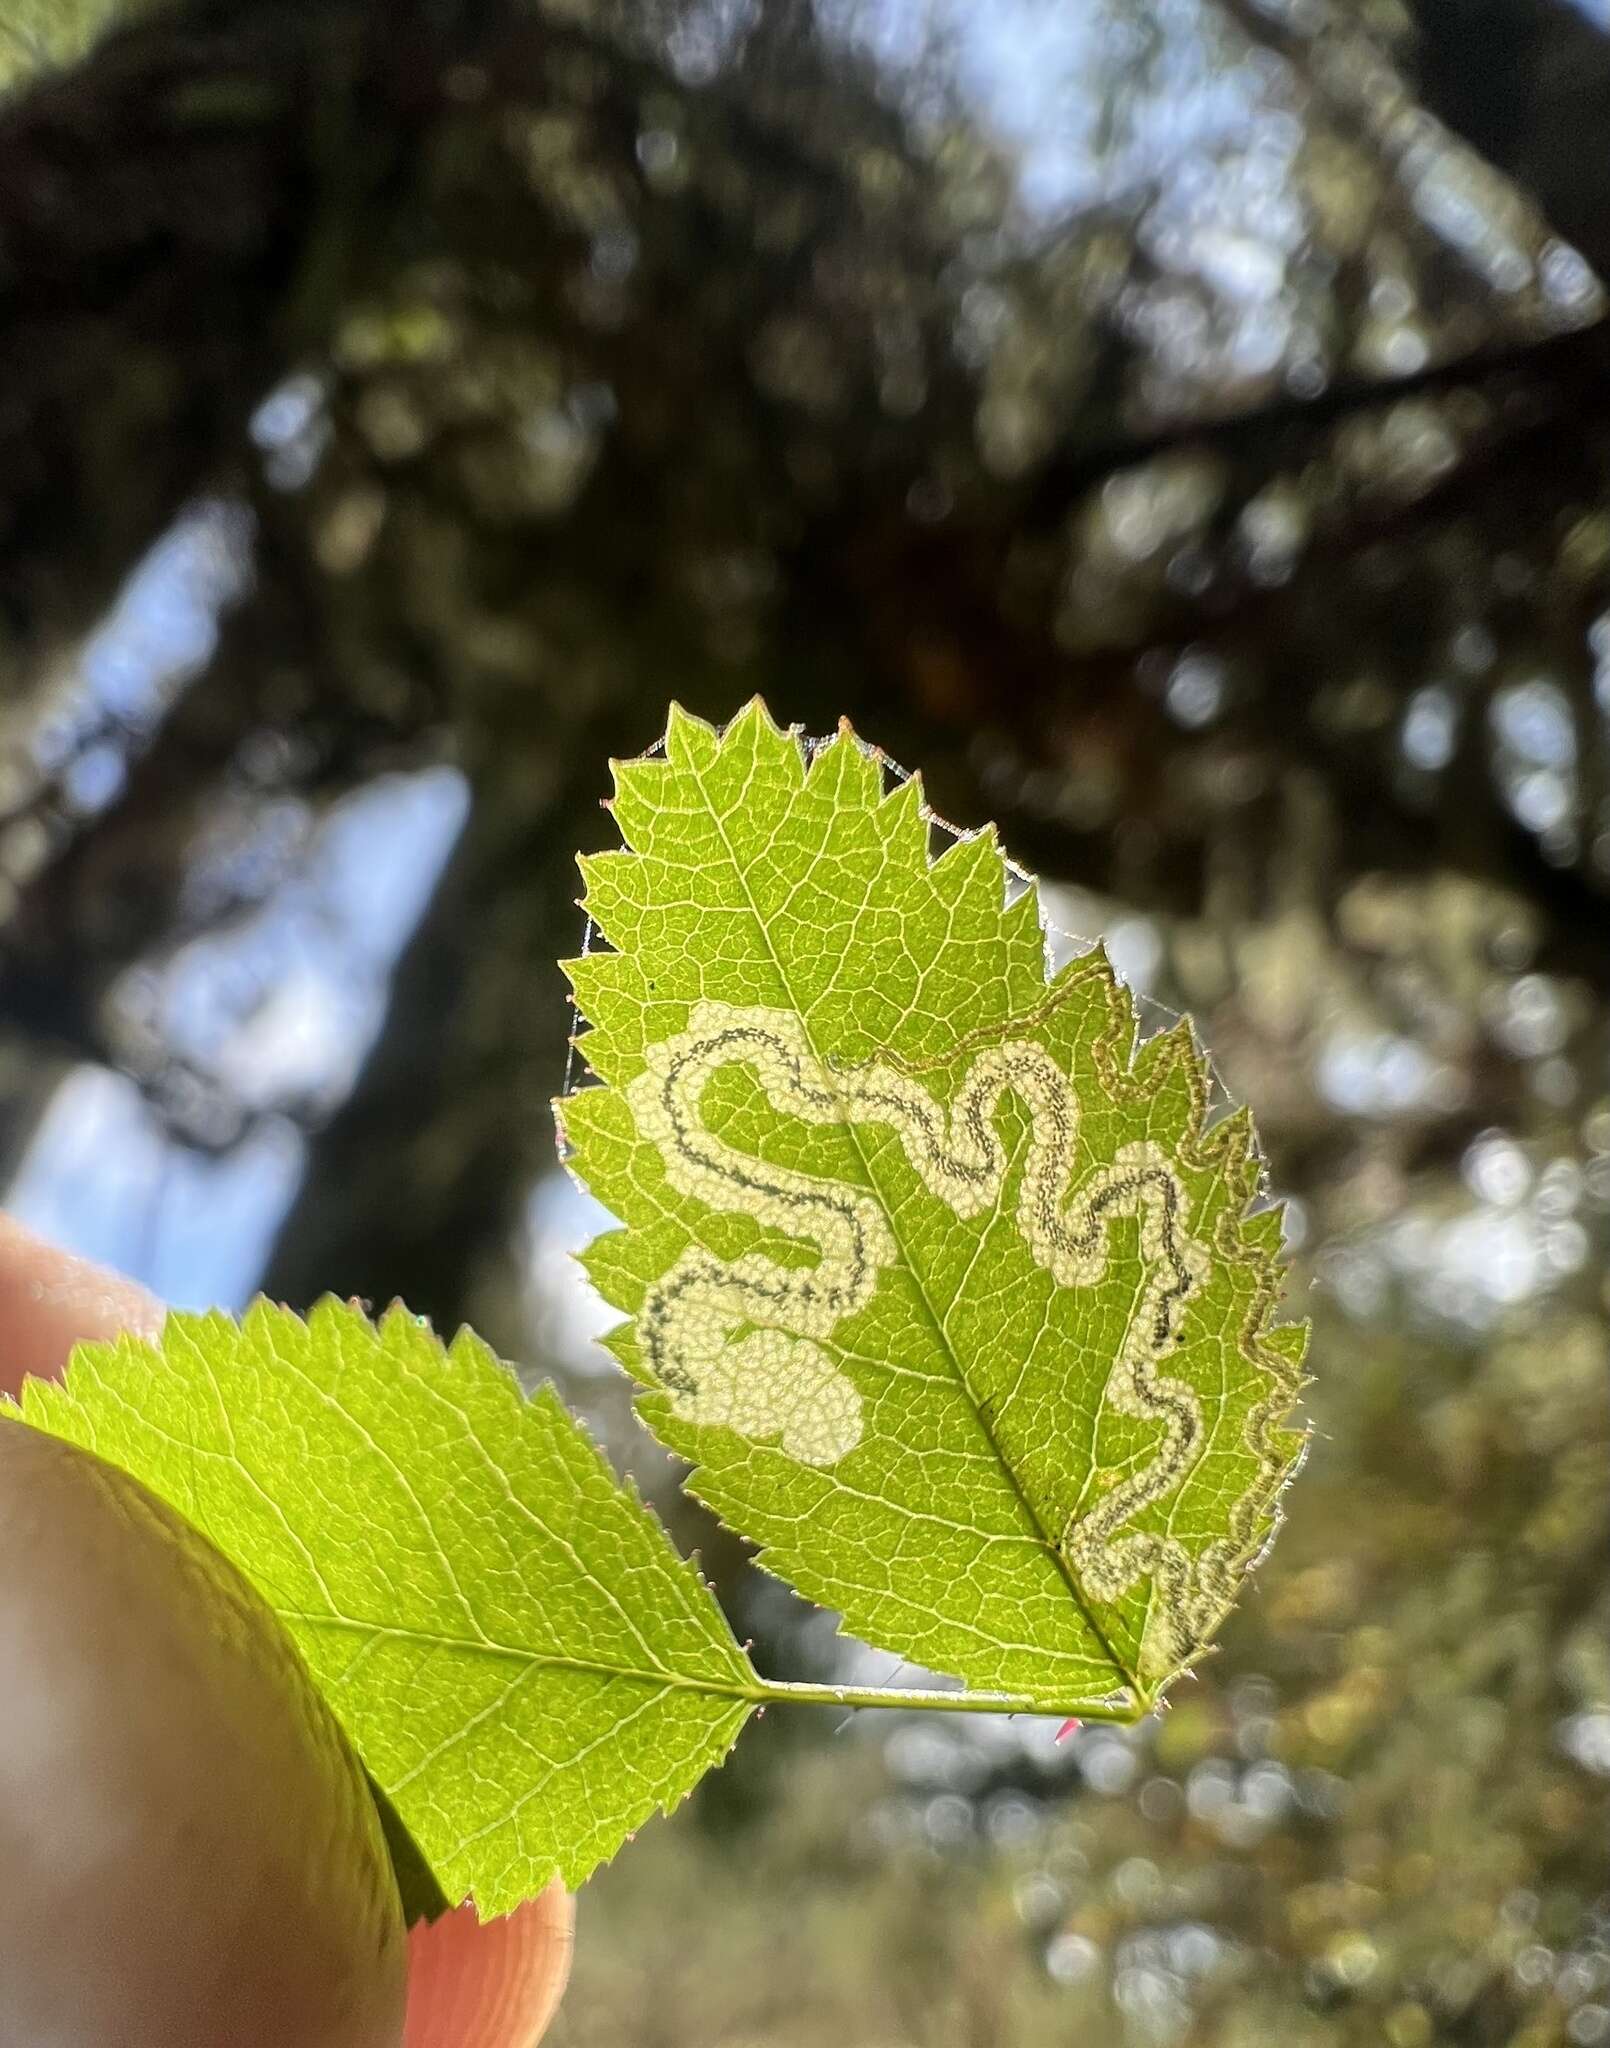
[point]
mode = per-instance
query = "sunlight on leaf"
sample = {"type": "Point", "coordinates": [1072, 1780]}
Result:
{"type": "Point", "coordinates": [941, 1280]}
{"type": "Point", "coordinates": [527, 1669]}
{"type": "Point", "coordinates": [945, 1287]}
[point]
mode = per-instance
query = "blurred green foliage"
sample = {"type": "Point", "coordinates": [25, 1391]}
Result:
{"type": "Point", "coordinates": [43, 35]}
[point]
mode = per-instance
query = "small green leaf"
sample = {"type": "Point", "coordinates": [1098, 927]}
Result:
{"type": "Point", "coordinates": [944, 1285]}
{"type": "Point", "coordinates": [525, 1666]}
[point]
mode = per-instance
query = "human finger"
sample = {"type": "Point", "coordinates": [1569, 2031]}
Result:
{"type": "Point", "coordinates": [470, 1985]}
{"type": "Point", "coordinates": [51, 1299]}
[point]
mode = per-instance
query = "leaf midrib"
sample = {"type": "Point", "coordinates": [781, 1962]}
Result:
{"type": "Point", "coordinates": [947, 1348]}
{"type": "Point", "coordinates": [510, 1653]}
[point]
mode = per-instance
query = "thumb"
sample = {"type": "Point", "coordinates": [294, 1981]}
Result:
{"type": "Point", "coordinates": [469, 1985]}
{"type": "Point", "coordinates": [189, 1854]}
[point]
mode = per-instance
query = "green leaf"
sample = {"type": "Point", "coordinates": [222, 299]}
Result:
{"type": "Point", "coordinates": [943, 1285]}
{"type": "Point", "coordinates": [525, 1666]}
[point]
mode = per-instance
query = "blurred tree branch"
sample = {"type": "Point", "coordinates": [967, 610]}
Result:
{"type": "Point", "coordinates": [431, 209]}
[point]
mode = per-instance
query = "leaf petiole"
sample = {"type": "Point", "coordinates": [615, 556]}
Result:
{"type": "Point", "coordinates": [937, 1700]}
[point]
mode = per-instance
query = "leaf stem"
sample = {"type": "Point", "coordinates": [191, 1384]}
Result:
{"type": "Point", "coordinates": [934, 1700]}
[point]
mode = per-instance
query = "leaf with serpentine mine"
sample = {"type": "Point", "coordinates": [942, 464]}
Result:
{"type": "Point", "coordinates": [942, 1280]}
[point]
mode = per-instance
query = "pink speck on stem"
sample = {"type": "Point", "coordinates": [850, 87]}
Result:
{"type": "Point", "coordinates": [1067, 1729]}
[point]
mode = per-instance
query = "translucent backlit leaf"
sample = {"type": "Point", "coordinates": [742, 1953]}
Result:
{"type": "Point", "coordinates": [942, 1281]}
{"type": "Point", "coordinates": [525, 1666]}
{"type": "Point", "coordinates": [945, 1286]}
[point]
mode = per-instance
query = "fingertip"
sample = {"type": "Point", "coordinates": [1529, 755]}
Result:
{"type": "Point", "coordinates": [489, 1984]}
{"type": "Point", "coordinates": [52, 1299]}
